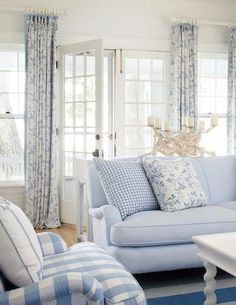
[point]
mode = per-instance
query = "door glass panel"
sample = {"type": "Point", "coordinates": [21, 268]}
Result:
{"type": "Point", "coordinates": [144, 83]}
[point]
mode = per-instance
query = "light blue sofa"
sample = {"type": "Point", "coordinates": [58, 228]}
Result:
{"type": "Point", "coordinates": [156, 241]}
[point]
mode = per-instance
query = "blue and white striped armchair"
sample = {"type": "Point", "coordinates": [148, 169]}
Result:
{"type": "Point", "coordinates": [83, 274]}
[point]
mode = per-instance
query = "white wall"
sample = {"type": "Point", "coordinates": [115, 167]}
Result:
{"type": "Point", "coordinates": [127, 24]}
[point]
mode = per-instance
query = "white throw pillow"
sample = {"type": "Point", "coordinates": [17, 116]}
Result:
{"type": "Point", "coordinates": [21, 257]}
{"type": "Point", "coordinates": [175, 183]}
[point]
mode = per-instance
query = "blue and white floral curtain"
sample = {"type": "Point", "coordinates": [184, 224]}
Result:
{"type": "Point", "coordinates": [231, 119]}
{"type": "Point", "coordinates": [183, 73]}
{"type": "Point", "coordinates": [41, 205]}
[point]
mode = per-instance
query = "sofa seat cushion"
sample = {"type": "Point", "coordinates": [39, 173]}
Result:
{"type": "Point", "coordinates": [156, 228]}
{"type": "Point", "coordinates": [118, 284]}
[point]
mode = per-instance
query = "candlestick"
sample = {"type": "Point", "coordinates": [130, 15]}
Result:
{"type": "Point", "coordinates": [150, 120]}
{"type": "Point", "coordinates": [167, 126]}
{"type": "Point", "coordinates": [191, 122]}
{"type": "Point", "coordinates": [201, 125]}
{"type": "Point", "coordinates": [158, 123]}
{"type": "Point", "coordinates": [185, 121]}
{"type": "Point", "coordinates": [214, 119]}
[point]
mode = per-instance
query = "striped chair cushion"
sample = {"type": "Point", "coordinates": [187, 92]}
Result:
{"type": "Point", "coordinates": [51, 243]}
{"type": "Point", "coordinates": [119, 286]}
{"type": "Point", "coordinates": [20, 253]}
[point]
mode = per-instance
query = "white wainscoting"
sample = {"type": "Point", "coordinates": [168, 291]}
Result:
{"type": "Point", "coordinates": [13, 193]}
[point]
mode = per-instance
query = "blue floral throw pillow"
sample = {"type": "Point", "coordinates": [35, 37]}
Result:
{"type": "Point", "coordinates": [126, 186]}
{"type": "Point", "coordinates": [175, 183]}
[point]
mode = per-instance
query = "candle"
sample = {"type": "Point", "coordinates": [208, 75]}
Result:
{"type": "Point", "coordinates": [214, 120]}
{"type": "Point", "coordinates": [185, 121]}
{"type": "Point", "coordinates": [158, 123]}
{"type": "Point", "coordinates": [201, 125]}
{"type": "Point", "coordinates": [167, 126]}
{"type": "Point", "coordinates": [150, 120]}
{"type": "Point", "coordinates": [191, 122]}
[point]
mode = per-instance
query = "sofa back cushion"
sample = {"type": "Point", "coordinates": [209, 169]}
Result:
{"type": "Point", "coordinates": [20, 253]}
{"type": "Point", "coordinates": [175, 183]}
{"type": "Point", "coordinates": [216, 174]}
{"type": "Point", "coordinates": [220, 173]}
{"type": "Point", "coordinates": [126, 186]}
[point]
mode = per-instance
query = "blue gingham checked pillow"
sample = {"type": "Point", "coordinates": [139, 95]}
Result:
{"type": "Point", "coordinates": [126, 186]}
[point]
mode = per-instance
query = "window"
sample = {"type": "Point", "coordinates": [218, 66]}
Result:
{"type": "Point", "coordinates": [212, 98]}
{"type": "Point", "coordinates": [144, 83]}
{"type": "Point", "coordinates": [12, 86]}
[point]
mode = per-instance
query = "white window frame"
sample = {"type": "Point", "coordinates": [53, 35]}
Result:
{"type": "Point", "coordinates": [12, 48]}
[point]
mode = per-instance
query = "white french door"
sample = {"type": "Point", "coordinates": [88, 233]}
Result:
{"type": "Point", "coordinates": [142, 90]}
{"type": "Point", "coordinates": [85, 95]}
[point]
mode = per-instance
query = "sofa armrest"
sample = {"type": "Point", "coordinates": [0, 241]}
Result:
{"type": "Point", "coordinates": [51, 243]}
{"type": "Point", "coordinates": [64, 289]}
{"type": "Point", "coordinates": [103, 219]}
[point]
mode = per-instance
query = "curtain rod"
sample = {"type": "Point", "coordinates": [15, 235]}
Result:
{"type": "Point", "coordinates": [140, 50]}
{"type": "Point", "coordinates": [206, 22]}
{"type": "Point", "coordinates": [38, 10]}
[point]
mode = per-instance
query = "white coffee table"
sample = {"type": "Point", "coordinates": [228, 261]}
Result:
{"type": "Point", "coordinates": [216, 250]}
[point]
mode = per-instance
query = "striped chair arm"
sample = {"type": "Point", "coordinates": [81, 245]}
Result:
{"type": "Point", "coordinates": [71, 289]}
{"type": "Point", "coordinates": [51, 243]}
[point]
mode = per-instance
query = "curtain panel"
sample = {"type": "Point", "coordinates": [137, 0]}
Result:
{"type": "Point", "coordinates": [231, 113]}
{"type": "Point", "coordinates": [183, 73]}
{"type": "Point", "coordinates": [41, 202]}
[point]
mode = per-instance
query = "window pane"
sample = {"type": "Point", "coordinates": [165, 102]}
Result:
{"type": "Point", "coordinates": [8, 82]}
{"type": "Point", "coordinates": [79, 142]}
{"type": "Point", "coordinates": [207, 87]}
{"type": "Point", "coordinates": [90, 65]}
{"type": "Point", "coordinates": [69, 114]}
{"type": "Point", "coordinates": [8, 61]}
{"type": "Point", "coordinates": [130, 91]}
{"type": "Point", "coordinates": [157, 69]}
{"type": "Point", "coordinates": [157, 93]}
{"type": "Point", "coordinates": [68, 90]}
{"type": "Point", "coordinates": [221, 87]}
{"type": "Point", "coordinates": [90, 143]}
{"type": "Point", "coordinates": [131, 68]}
{"type": "Point", "coordinates": [79, 62]}
{"type": "Point", "coordinates": [68, 163]}
{"type": "Point", "coordinates": [68, 65]}
{"type": "Point", "coordinates": [137, 137]}
{"type": "Point", "coordinates": [90, 96]}
{"type": "Point", "coordinates": [12, 149]}
{"type": "Point", "coordinates": [79, 114]}
{"type": "Point", "coordinates": [207, 68]}
{"type": "Point", "coordinates": [206, 105]}
{"type": "Point", "coordinates": [12, 103]}
{"type": "Point", "coordinates": [79, 89]}
{"type": "Point", "coordinates": [144, 92]}
{"type": "Point", "coordinates": [21, 61]}
{"type": "Point", "coordinates": [91, 114]}
{"type": "Point", "coordinates": [221, 105]}
{"type": "Point", "coordinates": [69, 142]}
{"type": "Point", "coordinates": [145, 70]}
{"type": "Point", "coordinates": [222, 68]}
